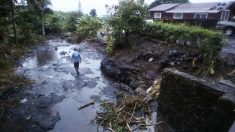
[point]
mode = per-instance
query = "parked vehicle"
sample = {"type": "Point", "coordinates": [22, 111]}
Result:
{"type": "Point", "coordinates": [227, 26]}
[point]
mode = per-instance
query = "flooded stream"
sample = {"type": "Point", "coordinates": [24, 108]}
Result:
{"type": "Point", "coordinates": [52, 71]}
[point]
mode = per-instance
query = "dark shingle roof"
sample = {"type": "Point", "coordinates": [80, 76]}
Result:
{"type": "Point", "coordinates": [198, 7]}
{"type": "Point", "coordinates": [212, 7]}
{"type": "Point", "coordinates": [163, 7]}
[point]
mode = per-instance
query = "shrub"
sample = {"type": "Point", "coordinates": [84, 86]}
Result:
{"type": "Point", "coordinates": [109, 44]}
{"type": "Point", "coordinates": [88, 26]}
{"type": "Point", "coordinates": [207, 42]}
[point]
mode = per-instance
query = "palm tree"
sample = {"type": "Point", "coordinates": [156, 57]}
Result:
{"type": "Point", "coordinates": [12, 10]}
{"type": "Point", "coordinates": [41, 7]}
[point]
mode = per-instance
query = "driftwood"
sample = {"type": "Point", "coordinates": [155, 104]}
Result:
{"type": "Point", "coordinates": [86, 105]}
{"type": "Point", "coordinates": [128, 114]}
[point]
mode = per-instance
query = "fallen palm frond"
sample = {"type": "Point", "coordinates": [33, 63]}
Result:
{"type": "Point", "coordinates": [128, 114]}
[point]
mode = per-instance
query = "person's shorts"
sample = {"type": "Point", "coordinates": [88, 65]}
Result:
{"type": "Point", "coordinates": [76, 64]}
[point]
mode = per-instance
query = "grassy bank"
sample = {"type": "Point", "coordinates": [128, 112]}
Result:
{"type": "Point", "coordinates": [9, 54]}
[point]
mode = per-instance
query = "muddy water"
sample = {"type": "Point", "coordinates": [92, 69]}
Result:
{"type": "Point", "coordinates": [51, 68]}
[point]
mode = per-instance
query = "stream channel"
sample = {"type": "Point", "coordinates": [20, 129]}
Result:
{"type": "Point", "coordinates": [52, 102]}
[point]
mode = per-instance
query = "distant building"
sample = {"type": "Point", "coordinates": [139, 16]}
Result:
{"type": "Point", "coordinates": [207, 14]}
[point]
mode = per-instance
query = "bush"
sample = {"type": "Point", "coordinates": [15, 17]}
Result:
{"type": "Point", "coordinates": [207, 42]}
{"type": "Point", "coordinates": [109, 44]}
{"type": "Point", "coordinates": [88, 26]}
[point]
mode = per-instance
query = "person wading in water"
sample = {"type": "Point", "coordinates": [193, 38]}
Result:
{"type": "Point", "coordinates": [76, 59]}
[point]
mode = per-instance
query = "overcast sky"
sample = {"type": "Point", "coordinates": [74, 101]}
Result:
{"type": "Point", "coordinates": [99, 5]}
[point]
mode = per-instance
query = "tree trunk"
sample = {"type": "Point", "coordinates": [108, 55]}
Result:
{"type": "Point", "coordinates": [42, 23]}
{"type": "Point", "coordinates": [14, 21]}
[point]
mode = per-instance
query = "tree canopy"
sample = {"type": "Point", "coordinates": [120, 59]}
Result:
{"type": "Point", "coordinates": [93, 12]}
{"type": "Point", "coordinates": [128, 18]}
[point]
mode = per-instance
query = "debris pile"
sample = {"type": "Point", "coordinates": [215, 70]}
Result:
{"type": "Point", "coordinates": [130, 113]}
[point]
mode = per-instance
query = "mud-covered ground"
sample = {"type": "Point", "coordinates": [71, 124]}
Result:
{"type": "Point", "coordinates": [143, 63]}
{"type": "Point", "coordinates": [52, 102]}
{"type": "Point", "coordinates": [150, 57]}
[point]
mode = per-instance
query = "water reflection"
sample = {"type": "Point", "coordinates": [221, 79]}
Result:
{"type": "Point", "coordinates": [44, 57]}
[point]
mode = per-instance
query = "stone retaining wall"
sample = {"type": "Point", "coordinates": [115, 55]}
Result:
{"type": "Point", "coordinates": [195, 105]}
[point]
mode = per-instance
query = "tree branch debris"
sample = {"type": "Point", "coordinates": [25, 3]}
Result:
{"type": "Point", "coordinates": [128, 114]}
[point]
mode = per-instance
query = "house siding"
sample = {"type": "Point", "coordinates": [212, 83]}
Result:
{"type": "Point", "coordinates": [215, 16]}
{"type": "Point", "coordinates": [186, 16]}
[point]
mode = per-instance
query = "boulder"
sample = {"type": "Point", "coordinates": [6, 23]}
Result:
{"type": "Point", "coordinates": [124, 73]}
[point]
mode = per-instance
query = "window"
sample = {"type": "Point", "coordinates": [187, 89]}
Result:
{"type": "Point", "coordinates": [157, 15]}
{"type": "Point", "coordinates": [225, 15]}
{"type": "Point", "coordinates": [204, 16]}
{"type": "Point", "coordinates": [197, 16]}
{"type": "Point", "coordinates": [200, 16]}
{"type": "Point", "coordinates": [178, 16]}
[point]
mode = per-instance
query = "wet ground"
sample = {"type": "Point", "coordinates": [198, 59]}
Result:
{"type": "Point", "coordinates": [53, 100]}
{"type": "Point", "coordinates": [228, 52]}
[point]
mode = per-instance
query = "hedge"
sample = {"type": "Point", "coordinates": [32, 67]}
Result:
{"type": "Point", "coordinates": [207, 42]}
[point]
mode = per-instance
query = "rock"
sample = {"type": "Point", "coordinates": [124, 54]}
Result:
{"type": "Point", "coordinates": [91, 83]}
{"type": "Point", "coordinates": [124, 73]}
{"type": "Point", "coordinates": [80, 84]}
{"type": "Point", "coordinates": [24, 100]}
{"type": "Point", "coordinates": [121, 72]}
{"type": "Point", "coordinates": [85, 71]}
{"type": "Point", "coordinates": [231, 76]}
{"type": "Point", "coordinates": [63, 53]}
{"type": "Point", "coordinates": [34, 128]}
{"type": "Point", "coordinates": [62, 68]}
{"type": "Point", "coordinates": [47, 122]}
{"type": "Point", "coordinates": [151, 59]}
{"type": "Point", "coordinates": [123, 87]}
{"type": "Point", "coordinates": [69, 84]}
{"type": "Point", "coordinates": [110, 68]}
{"type": "Point", "coordinates": [45, 101]}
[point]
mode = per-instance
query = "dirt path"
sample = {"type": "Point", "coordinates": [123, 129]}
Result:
{"type": "Point", "coordinates": [52, 102]}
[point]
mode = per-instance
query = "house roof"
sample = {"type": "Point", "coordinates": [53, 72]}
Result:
{"type": "Point", "coordinates": [230, 3]}
{"type": "Point", "coordinates": [163, 7]}
{"type": "Point", "coordinates": [213, 7]}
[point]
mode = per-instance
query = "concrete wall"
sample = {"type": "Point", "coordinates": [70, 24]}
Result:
{"type": "Point", "coordinates": [192, 104]}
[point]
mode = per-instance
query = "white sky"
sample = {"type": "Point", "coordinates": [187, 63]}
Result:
{"type": "Point", "coordinates": [99, 5]}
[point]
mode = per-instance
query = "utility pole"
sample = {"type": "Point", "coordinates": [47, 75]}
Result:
{"type": "Point", "coordinates": [79, 6]}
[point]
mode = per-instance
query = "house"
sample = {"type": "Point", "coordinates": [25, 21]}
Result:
{"type": "Point", "coordinates": [206, 14]}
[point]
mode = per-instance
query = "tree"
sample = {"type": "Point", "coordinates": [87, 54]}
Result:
{"type": "Point", "coordinates": [93, 12]}
{"type": "Point", "coordinates": [158, 2]}
{"type": "Point", "coordinates": [41, 8]}
{"type": "Point", "coordinates": [7, 15]}
{"type": "Point", "coordinates": [71, 20]}
{"type": "Point", "coordinates": [128, 19]}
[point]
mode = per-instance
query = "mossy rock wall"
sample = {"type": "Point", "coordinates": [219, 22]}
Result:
{"type": "Point", "coordinates": [191, 104]}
